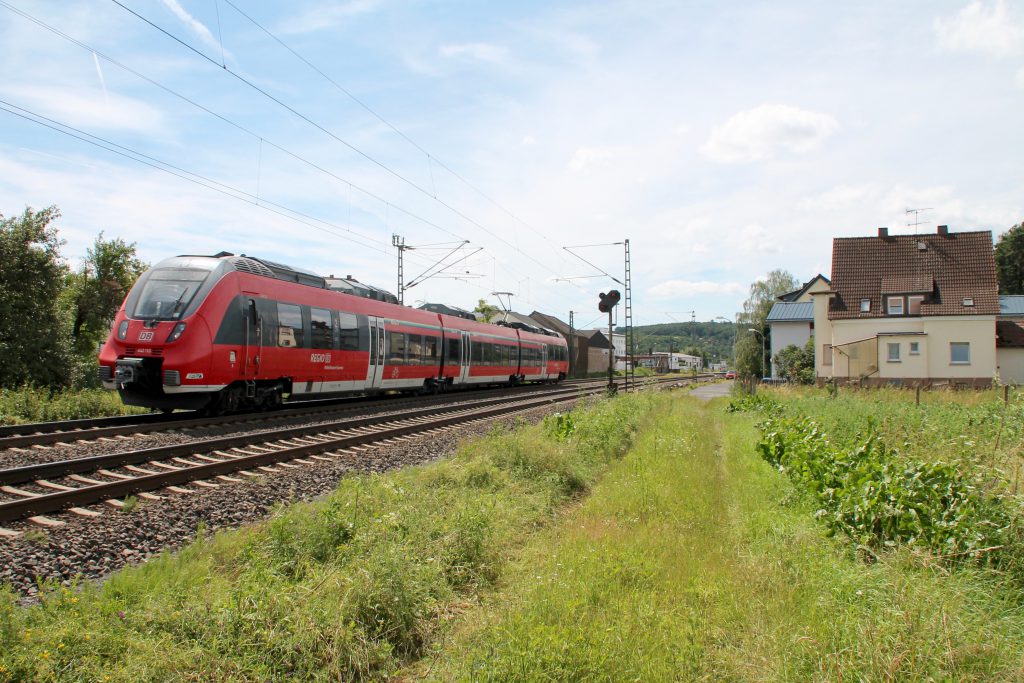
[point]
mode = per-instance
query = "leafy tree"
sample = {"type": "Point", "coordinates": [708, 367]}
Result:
{"type": "Point", "coordinates": [796, 364]}
{"type": "Point", "coordinates": [33, 332]}
{"type": "Point", "coordinates": [486, 311]}
{"type": "Point", "coordinates": [751, 348]}
{"type": "Point", "coordinates": [96, 291]}
{"type": "Point", "coordinates": [1009, 256]}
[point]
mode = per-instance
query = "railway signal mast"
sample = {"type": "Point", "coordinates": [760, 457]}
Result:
{"type": "Point", "coordinates": [607, 303]}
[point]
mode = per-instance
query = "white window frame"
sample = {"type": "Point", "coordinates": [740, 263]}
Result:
{"type": "Point", "coordinates": [967, 346]}
{"type": "Point", "coordinates": [915, 348]}
{"type": "Point", "coordinates": [894, 310]}
{"type": "Point", "coordinates": [865, 305]}
{"type": "Point", "coordinates": [914, 302]}
{"type": "Point", "coordinates": [892, 352]}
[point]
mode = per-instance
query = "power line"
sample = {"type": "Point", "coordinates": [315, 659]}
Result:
{"type": "Point", "coordinates": [176, 171]}
{"type": "Point", "coordinates": [431, 159]}
{"type": "Point", "coordinates": [327, 132]}
{"type": "Point", "coordinates": [224, 119]}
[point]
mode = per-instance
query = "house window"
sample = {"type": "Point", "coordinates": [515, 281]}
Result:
{"type": "Point", "coordinates": [895, 304]}
{"type": "Point", "coordinates": [960, 353]}
{"type": "Point", "coordinates": [968, 301]}
{"type": "Point", "coordinates": [915, 348]}
{"type": "Point", "coordinates": [826, 354]}
{"type": "Point", "coordinates": [914, 305]}
{"type": "Point", "coordinates": [894, 352]}
{"type": "Point", "coordinates": [865, 305]}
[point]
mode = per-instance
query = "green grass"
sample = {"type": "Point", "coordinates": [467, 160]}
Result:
{"type": "Point", "coordinates": [30, 404]}
{"type": "Point", "coordinates": [641, 539]}
{"type": "Point", "coordinates": [695, 560]}
{"type": "Point", "coordinates": [350, 587]}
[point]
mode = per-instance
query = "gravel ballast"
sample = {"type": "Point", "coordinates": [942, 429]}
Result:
{"type": "Point", "coordinates": [91, 548]}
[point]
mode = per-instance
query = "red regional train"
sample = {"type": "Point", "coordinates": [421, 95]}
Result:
{"type": "Point", "coordinates": [223, 333]}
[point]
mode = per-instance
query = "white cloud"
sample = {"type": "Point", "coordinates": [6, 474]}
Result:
{"type": "Point", "coordinates": [476, 52]}
{"type": "Point", "coordinates": [327, 15]}
{"type": "Point", "coordinates": [755, 239]}
{"type": "Point", "coordinates": [589, 157]}
{"type": "Point", "coordinates": [763, 131]}
{"type": "Point", "coordinates": [528, 140]}
{"type": "Point", "coordinates": [1019, 80]}
{"type": "Point", "coordinates": [87, 107]}
{"type": "Point", "coordinates": [980, 28]}
{"type": "Point", "coordinates": [681, 288]}
{"type": "Point", "coordinates": [839, 197]}
{"type": "Point", "coordinates": [196, 26]}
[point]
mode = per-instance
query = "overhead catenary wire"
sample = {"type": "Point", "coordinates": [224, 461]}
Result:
{"type": "Point", "coordinates": [263, 140]}
{"type": "Point", "coordinates": [196, 178]}
{"type": "Point", "coordinates": [330, 133]}
{"type": "Point", "coordinates": [431, 158]}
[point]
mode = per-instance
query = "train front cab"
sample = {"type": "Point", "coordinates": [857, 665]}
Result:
{"type": "Point", "coordinates": [158, 352]}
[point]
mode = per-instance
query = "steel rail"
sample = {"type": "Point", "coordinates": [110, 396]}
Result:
{"type": "Point", "coordinates": [44, 433]}
{"type": "Point", "coordinates": [86, 495]}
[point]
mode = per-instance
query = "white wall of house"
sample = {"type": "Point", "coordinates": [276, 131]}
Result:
{"type": "Point", "coordinates": [1011, 365]}
{"type": "Point", "coordinates": [785, 333]}
{"type": "Point", "coordinates": [934, 336]}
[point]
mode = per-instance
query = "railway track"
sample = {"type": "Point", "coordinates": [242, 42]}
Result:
{"type": "Point", "coordinates": [49, 433]}
{"type": "Point", "coordinates": [31, 491]}
{"type": "Point", "coordinates": [209, 463]}
{"type": "Point", "coordinates": [69, 431]}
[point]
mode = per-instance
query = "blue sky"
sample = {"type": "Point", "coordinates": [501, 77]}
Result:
{"type": "Point", "coordinates": [723, 139]}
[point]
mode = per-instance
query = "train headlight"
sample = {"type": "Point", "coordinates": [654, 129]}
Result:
{"type": "Point", "coordinates": [176, 332]}
{"type": "Point", "coordinates": [122, 330]}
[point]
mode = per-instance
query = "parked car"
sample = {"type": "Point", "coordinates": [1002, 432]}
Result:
{"type": "Point", "coordinates": [730, 374]}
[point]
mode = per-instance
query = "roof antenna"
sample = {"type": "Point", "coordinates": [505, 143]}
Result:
{"type": "Point", "coordinates": [917, 216]}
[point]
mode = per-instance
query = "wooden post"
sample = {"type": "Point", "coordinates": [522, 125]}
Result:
{"type": "Point", "coordinates": [918, 399]}
{"type": "Point", "coordinates": [1006, 393]}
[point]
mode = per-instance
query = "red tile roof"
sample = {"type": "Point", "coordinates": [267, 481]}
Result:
{"type": "Point", "coordinates": [946, 268]}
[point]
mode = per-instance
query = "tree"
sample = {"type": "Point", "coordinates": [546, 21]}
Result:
{"type": "Point", "coordinates": [1009, 256]}
{"type": "Point", "coordinates": [486, 311]}
{"type": "Point", "coordinates": [751, 348]}
{"type": "Point", "coordinates": [33, 333]}
{"type": "Point", "coordinates": [96, 291]}
{"type": "Point", "coordinates": [796, 364]}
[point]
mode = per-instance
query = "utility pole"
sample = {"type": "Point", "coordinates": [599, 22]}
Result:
{"type": "Point", "coordinates": [630, 360]}
{"type": "Point", "coordinates": [399, 243]}
{"type": "Point", "coordinates": [572, 343]}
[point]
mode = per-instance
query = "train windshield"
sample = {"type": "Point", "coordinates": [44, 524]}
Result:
{"type": "Point", "coordinates": [167, 292]}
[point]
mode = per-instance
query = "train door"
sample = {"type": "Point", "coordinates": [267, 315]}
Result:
{"type": "Point", "coordinates": [375, 370]}
{"type": "Point", "coordinates": [543, 361]}
{"type": "Point", "coordinates": [252, 340]}
{"type": "Point", "coordinates": [464, 360]}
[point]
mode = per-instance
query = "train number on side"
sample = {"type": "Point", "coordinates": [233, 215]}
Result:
{"type": "Point", "coordinates": [319, 358]}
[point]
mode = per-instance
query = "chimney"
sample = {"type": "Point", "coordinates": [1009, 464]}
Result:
{"type": "Point", "coordinates": [944, 230]}
{"type": "Point", "coordinates": [883, 233]}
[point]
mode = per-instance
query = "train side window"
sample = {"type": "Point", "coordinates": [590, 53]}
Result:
{"type": "Point", "coordinates": [321, 332]}
{"type": "Point", "coordinates": [454, 352]}
{"type": "Point", "coordinates": [289, 327]}
{"type": "Point", "coordinates": [348, 330]}
{"type": "Point", "coordinates": [396, 348]}
{"type": "Point", "coordinates": [415, 349]}
{"type": "Point", "coordinates": [430, 355]}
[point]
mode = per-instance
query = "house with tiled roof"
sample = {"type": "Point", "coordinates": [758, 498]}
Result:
{"type": "Point", "coordinates": [791, 318]}
{"type": "Point", "coordinates": [909, 309]}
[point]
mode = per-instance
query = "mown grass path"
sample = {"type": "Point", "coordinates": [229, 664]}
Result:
{"type": "Point", "coordinates": [694, 560]}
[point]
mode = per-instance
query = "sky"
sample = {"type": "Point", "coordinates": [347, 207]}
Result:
{"type": "Point", "coordinates": [723, 140]}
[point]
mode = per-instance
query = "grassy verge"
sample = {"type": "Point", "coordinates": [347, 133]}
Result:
{"type": "Point", "coordinates": [352, 586]}
{"type": "Point", "coordinates": [693, 559]}
{"type": "Point", "coordinates": [30, 404]}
